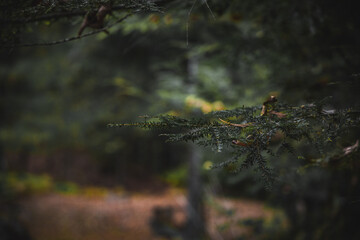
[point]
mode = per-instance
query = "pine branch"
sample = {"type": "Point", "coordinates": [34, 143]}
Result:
{"type": "Point", "coordinates": [251, 133]}
{"type": "Point", "coordinates": [70, 38]}
{"type": "Point", "coordinates": [65, 14]}
{"type": "Point", "coordinates": [19, 14]}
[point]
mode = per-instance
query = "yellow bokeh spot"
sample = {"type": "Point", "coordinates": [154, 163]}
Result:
{"type": "Point", "coordinates": [154, 18]}
{"type": "Point", "coordinates": [218, 105]}
{"type": "Point", "coordinates": [205, 106]}
{"type": "Point", "coordinates": [119, 81]}
{"type": "Point", "coordinates": [173, 113]}
{"type": "Point", "coordinates": [168, 19]}
{"type": "Point", "coordinates": [207, 165]}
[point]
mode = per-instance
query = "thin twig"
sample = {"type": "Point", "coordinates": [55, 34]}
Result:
{"type": "Point", "coordinates": [188, 18]}
{"type": "Point", "coordinates": [207, 5]}
{"type": "Point", "coordinates": [70, 38]}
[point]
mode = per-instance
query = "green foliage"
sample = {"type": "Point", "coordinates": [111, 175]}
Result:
{"type": "Point", "coordinates": [176, 177]}
{"type": "Point", "coordinates": [66, 188]}
{"type": "Point", "coordinates": [25, 183]}
{"type": "Point", "coordinates": [18, 184]}
{"type": "Point", "coordinates": [253, 138]}
{"type": "Point", "coordinates": [273, 227]}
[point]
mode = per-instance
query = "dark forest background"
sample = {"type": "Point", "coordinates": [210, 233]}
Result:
{"type": "Point", "coordinates": [193, 57]}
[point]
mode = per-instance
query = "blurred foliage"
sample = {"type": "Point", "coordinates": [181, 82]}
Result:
{"type": "Point", "coordinates": [176, 177]}
{"type": "Point", "coordinates": [273, 227]}
{"type": "Point", "coordinates": [17, 185]}
{"type": "Point", "coordinates": [66, 188]}
{"type": "Point", "coordinates": [25, 184]}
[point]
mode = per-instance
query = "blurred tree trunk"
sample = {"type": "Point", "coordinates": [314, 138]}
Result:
{"type": "Point", "coordinates": [2, 170]}
{"type": "Point", "coordinates": [195, 225]}
{"type": "Point", "coordinates": [233, 66]}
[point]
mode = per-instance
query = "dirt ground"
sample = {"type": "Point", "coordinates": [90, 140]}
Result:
{"type": "Point", "coordinates": [117, 216]}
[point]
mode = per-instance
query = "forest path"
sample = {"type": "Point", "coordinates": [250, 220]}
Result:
{"type": "Point", "coordinates": [127, 216]}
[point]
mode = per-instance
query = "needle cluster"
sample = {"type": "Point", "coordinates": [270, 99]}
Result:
{"type": "Point", "coordinates": [253, 136]}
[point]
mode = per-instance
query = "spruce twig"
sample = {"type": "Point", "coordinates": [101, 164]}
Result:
{"type": "Point", "coordinates": [256, 135]}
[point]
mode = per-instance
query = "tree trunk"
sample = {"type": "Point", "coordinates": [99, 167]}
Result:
{"type": "Point", "coordinates": [195, 226]}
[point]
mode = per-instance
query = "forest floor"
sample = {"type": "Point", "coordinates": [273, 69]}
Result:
{"type": "Point", "coordinates": [115, 216]}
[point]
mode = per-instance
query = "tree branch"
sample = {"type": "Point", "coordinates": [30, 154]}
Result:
{"type": "Point", "coordinates": [58, 15]}
{"type": "Point", "coordinates": [70, 38]}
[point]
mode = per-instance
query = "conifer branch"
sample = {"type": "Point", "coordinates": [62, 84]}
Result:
{"type": "Point", "coordinates": [64, 14]}
{"type": "Point", "coordinates": [70, 38]}
{"type": "Point", "coordinates": [19, 14]}
{"type": "Point", "coordinates": [252, 136]}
